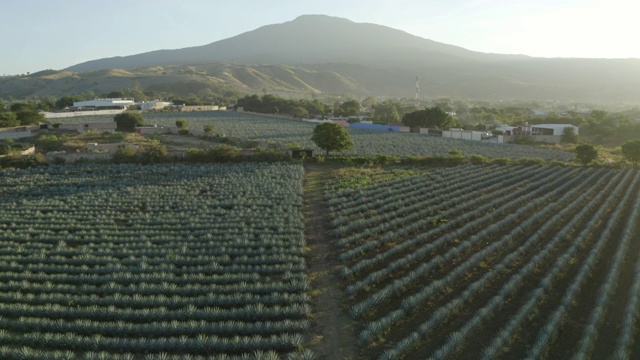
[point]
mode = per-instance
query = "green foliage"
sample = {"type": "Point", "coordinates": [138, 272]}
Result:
{"type": "Point", "coordinates": [127, 121]}
{"type": "Point", "coordinates": [9, 119]}
{"type": "Point", "coordinates": [432, 117]}
{"type": "Point", "coordinates": [154, 153]}
{"type": "Point", "coordinates": [29, 117]}
{"type": "Point", "coordinates": [50, 143]}
{"type": "Point", "coordinates": [66, 101]}
{"type": "Point", "coordinates": [530, 161]}
{"type": "Point", "coordinates": [208, 129]}
{"type": "Point", "coordinates": [331, 137]}
{"type": "Point", "coordinates": [569, 136]}
{"type": "Point", "coordinates": [349, 108]}
{"type": "Point", "coordinates": [299, 112]}
{"type": "Point", "coordinates": [502, 161]}
{"type": "Point", "coordinates": [586, 153]}
{"type": "Point", "coordinates": [217, 154]}
{"type": "Point", "coordinates": [387, 112]}
{"type": "Point", "coordinates": [22, 162]}
{"type": "Point", "coordinates": [476, 159]}
{"type": "Point", "coordinates": [182, 124]}
{"type": "Point", "coordinates": [124, 154]}
{"type": "Point", "coordinates": [2, 107]}
{"type": "Point", "coordinates": [631, 151]}
{"type": "Point", "coordinates": [524, 140]}
{"type": "Point", "coordinates": [293, 146]}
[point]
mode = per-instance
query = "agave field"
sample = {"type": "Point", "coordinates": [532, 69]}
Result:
{"type": "Point", "coordinates": [153, 262]}
{"type": "Point", "coordinates": [492, 262]}
{"type": "Point", "coordinates": [366, 142]}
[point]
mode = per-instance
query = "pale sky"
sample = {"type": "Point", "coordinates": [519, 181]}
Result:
{"type": "Point", "coordinates": [55, 34]}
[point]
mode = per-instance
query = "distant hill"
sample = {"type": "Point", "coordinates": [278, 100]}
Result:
{"type": "Point", "coordinates": [323, 54]}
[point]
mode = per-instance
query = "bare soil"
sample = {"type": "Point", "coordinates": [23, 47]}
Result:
{"type": "Point", "coordinates": [331, 335]}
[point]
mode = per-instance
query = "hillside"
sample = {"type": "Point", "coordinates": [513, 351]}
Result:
{"type": "Point", "coordinates": [322, 54]}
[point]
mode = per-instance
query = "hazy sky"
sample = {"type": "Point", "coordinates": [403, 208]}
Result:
{"type": "Point", "coordinates": [54, 34]}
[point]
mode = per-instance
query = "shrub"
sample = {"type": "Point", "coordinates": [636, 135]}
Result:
{"type": "Point", "coordinates": [208, 129]}
{"type": "Point", "coordinates": [125, 154]}
{"type": "Point", "coordinates": [127, 121]}
{"type": "Point", "coordinates": [22, 162]}
{"type": "Point", "coordinates": [530, 161]}
{"type": "Point", "coordinates": [502, 161]}
{"type": "Point", "coordinates": [476, 159]}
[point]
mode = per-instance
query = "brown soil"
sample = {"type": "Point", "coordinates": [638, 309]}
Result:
{"type": "Point", "coordinates": [331, 335]}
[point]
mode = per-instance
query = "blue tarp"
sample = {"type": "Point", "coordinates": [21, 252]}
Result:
{"type": "Point", "coordinates": [375, 127]}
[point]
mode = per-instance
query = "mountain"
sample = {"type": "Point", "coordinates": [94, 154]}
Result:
{"type": "Point", "coordinates": [328, 55]}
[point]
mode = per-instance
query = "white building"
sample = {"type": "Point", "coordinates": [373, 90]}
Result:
{"type": "Point", "coordinates": [103, 104]}
{"type": "Point", "coordinates": [153, 105]}
{"type": "Point", "coordinates": [553, 129]}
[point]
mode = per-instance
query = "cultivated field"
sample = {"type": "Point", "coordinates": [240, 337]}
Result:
{"type": "Point", "coordinates": [152, 262]}
{"type": "Point", "coordinates": [366, 142]}
{"type": "Point", "coordinates": [491, 262]}
{"type": "Point", "coordinates": [178, 261]}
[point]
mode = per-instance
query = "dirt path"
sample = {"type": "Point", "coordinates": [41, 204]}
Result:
{"type": "Point", "coordinates": [331, 336]}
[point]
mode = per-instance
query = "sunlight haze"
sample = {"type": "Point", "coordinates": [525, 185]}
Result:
{"type": "Point", "coordinates": [56, 34]}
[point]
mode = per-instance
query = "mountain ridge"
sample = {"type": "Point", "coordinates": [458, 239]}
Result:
{"type": "Point", "coordinates": [323, 54]}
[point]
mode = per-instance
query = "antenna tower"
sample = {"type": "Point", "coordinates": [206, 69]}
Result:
{"type": "Point", "coordinates": [417, 89]}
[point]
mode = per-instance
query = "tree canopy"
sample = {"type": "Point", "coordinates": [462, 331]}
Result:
{"type": "Point", "coordinates": [331, 137]}
{"type": "Point", "coordinates": [631, 151]}
{"type": "Point", "coordinates": [349, 108]}
{"type": "Point", "coordinates": [569, 136]}
{"type": "Point", "coordinates": [432, 117]}
{"type": "Point", "coordinates": [386, 112]}
{"type": "Point", "coordinates": [586, 153]}
{"type": "Point", "coordinates": [128, 121]}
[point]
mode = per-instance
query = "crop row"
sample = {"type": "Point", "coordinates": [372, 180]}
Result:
{"type": "Point", "coordinates": [427, 291]}
{"type": "Point", "coordinates": [159, 260]}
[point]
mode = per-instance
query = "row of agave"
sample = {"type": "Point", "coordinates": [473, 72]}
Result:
{"type": "Point", "coordinates": [184, 260]}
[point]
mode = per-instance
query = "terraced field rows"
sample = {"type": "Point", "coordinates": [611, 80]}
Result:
{"type": "Point", "coordinates": [511, 262]}
{"type": "Point", "coordinates": [167, 261]}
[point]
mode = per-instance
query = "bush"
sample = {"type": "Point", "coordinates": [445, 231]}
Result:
{"type": "Point", "coordinates": [127, 121]}
{"type": "Point", "coordinates": [155, 153]}
{"type": "Point", "coordinates": [530, 161]}
{"type": "Point", "coordinates": [56, 125]}
{"type": "Point", "coordinates": [222, 153]}
{"type": "Point", "coordinates": [476, 159]}
{"type": "Point", "coordinates": [125, 154]}
{"type": "Point", "coordinates": [22, 162]}
{"type": "Point", "coordinates": [208, 129]}
{"type": "Point", "coordinates": [502, 161]}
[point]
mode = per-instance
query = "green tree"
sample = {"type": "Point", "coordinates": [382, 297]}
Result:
{"type": "Point", "coordinates": [586, 153]}
{"type": "Point", "coordinates": [127, 121]}
{"type": "Point", "coordinates": [66, 101]}
{"type": "Point", "coordinates": [631, 151]}
{"type": "Point", "coordinates": [331, 137]}
{"type": "Point", "coordinates": [29, 117]}
{"type": "Point", "coordinates": [8, 119]}
{"type": "Point", "coordinates": [569, 136]}
{"type": "Point", "coordinates": [386, 113]}
{"type": "Point", "coordinates": [182, 124]}
{"type": "Point", "coordinates": [432, 117]}
{"type": "Point", "coordinates": [299, 112]}
{"type": "Point", "coordinates": [208, 129]}
{"type": "Point", "coordinates": [2, 108]}
{"type": "Point", "coordinates": [349, 108]}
